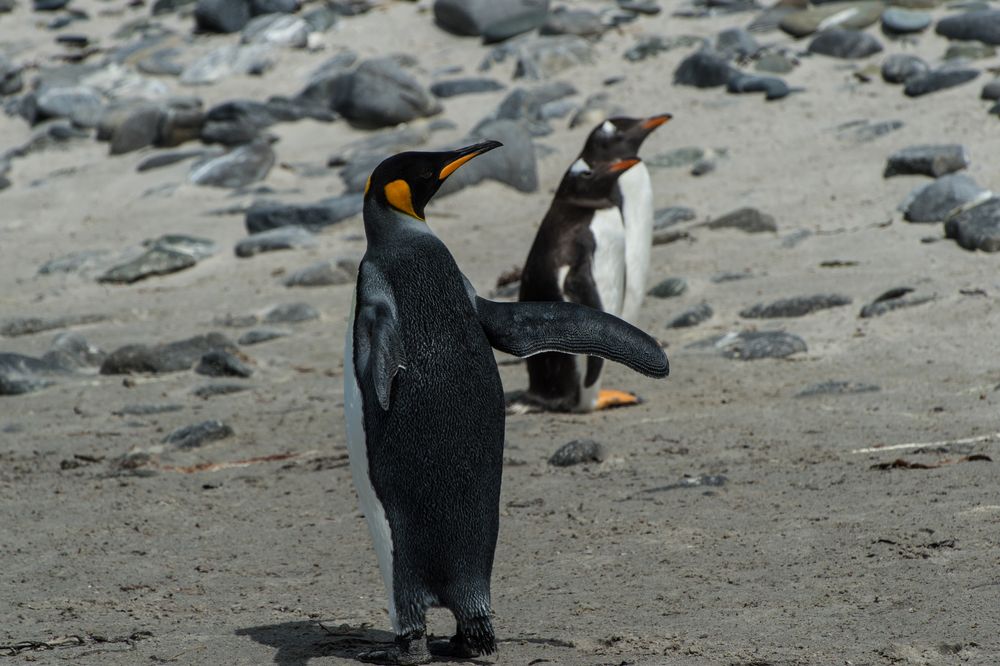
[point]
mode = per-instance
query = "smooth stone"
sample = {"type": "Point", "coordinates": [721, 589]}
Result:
{"type": "Point", "coordinates": [901, 67]}
{"type": "Point", "coordinates": [260, 7]}
{"type": "Point", "coordinates": [236, 122]}
{"type": "Point", "coordinates": [259, 335]}
{"type": "Point", "coordinates": [495, 20]}
{"type": "Point", "coordinates": [20, 374]}
{"type": "Point", "coordinates": [772, 87]}
{"type": "Point", "coordinates": [755, 345]}
{"type": "Point", "coordinates": [163, 159]}
{"type": "Point", "coordinates": [864, 131]}
{"type": "Point", "coordinates": [264, 215]}
{"type": "Point", "coordinates": [12, 328]}
{"type": "Point", "coordinates": [237, 168]}
{"type": "Point", "coordinates": [969, 51]}
{"type": "Point", "coordinates": [227, 61]}
{"type": "Point", "coordinates": [846, 44]}
{"type": "Point", "coordinates": [647, 46]}
{"type": "Point", "coordinates": [935, 201]}
{"type": "Point", "coordinates": [147, 410]}
{"type": "Point", "coordinates": [214, 390]}
{"type": "Point", "coordinates": [180, 126]}
{"type": "Point", "coordinates": [977, 228]}
{"type": "Point", "coordinates": [580, 22]}
{"type": "Point", "coordinates": [327, 273]}
{"type": "Point", "coordinates": [526, 106]}
{"type": "Point", "coordinates": [49, 5]}
{"type": "Point", "coordinates": [81, 105]}
{"type": "Point", "coordinates": [736, 43]}
{"type": "Point", "coordinates": [983, 26]}
{"type": "Point", "coordinates": [849, 15]}
{"type": "Point", "coordinates": [927, 160]}
{"type": "Point", "coordinates": [692, 316]}
{"type": "Point", "coordinates": [291, 313]}
{"type": "Point", "coordinates": [668, 217]}
{"type": "Point", "coordinates": [579, 451]}
{"type": "Point", "coordinates": [668, 288]}
{"type": "Point", "coordinates": [71, 351]}
{"type": "Point", "coordinates": [220, 363]}
{"type": "Point", "coordinates": [466, 86]}
{"type": "Point", "coordinates": [199, 434]}
{"type": "Point", "coordinates": [223, 16]}
{"type": "Point", "coordinates": [750, 220]}
{"type": "Point", "coordinates": [940, 79]}
{"type": "Point", "coordinates": [170, 357]}
{"type": "Point", "coordinates": [277, 30]}
{"type": "Point", "coordinates": [379, 93]}
{"type": "Point", "coordinates": [11, 79]}
{"type": "Point", "coordinates": [894, 299]}
{"type": "Point", "coordinates": [74, 262]}
{"type": "Point", "coordinates": [775, 63]}
{"type": "Point", "coordinates": [139, 130]}
{"type": "Point", "coordinates": [798, 306]}
{"type": "Point", "coordinates": [991, 90]}
{"type": "Point", "coordinates": [237, 321]}
{"type": "Point", "coordinates": [545, 56]}
{"type": "Point", "coordinates": [730, 276]}
{"type": "Point", "coordinates": [834, 387]}
{"type": "Point", "coordinates": [897, 20]}
{"type": "Point", "coordinates": [515, 166]}
{"type": "Point", "coordinates": [169, 6]}
{"type": "Point", "coordinates": [281, 238]}
{"type": "Point", "coordinates": [595, 110]}
{"type": "Point", "coordinates": [703, 69]}
{"type": "Point", "coordinates": [154, 261]}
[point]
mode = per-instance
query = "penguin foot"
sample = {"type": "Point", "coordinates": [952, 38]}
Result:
{"type": "Point", "coordinates": [609, 399]}
{"type": "Point", "coordinates": [455, 647]}
{"type": "Point", "coordinates": [409, 650]}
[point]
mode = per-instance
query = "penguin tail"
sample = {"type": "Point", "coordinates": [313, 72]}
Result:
{"type": "Point", "coordinates": [477, 633]}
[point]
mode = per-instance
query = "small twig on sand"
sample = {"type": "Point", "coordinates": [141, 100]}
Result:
{"type": "Point", "coordinates": [232, 464]}
{"type": "Point", "coordinates": [921, 445]}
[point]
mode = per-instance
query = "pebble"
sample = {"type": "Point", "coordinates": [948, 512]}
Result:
{"type": "Point", "coordinates": [836, 387]}
{"type": "Point", "coordinates": [579, 451]}
{"type": "Point", "coordinates": [849, 15]}
{"type": "Point", "coordinates": [162, 159]}
{"type": "Point", "coordinates": [170, 357]}
{"type": "Point", "coordinates": [465, 86]}
{"type": "Point", "coordinates": [935, 201]}
{"type": "Point", "coordinates": [259, 335]}
{"type": "Point", "coordinates": [798, 306]}
{"type": "Point", "coordinates": [379, 93]}
{"type": "Point", "coordinates": [772, 87]}
{"type": "Point", "coordinates": [977, 228]}
{"type": "Point", "coordinates": [164, 255]}
{"type": "Point", "coordinates": [580, 22]}
{"type": "Point", "coordinates": [864, 131]}
{"type": "Point", "coordinates": [703, 69]}
{"type": "Point", "coordinates": [74, 262]}
{"type": "Point", "coordinates": [260, 7]}
{"type": "Point", "coordinates": [750, 220]}
{"type": "Point", "coordinates": [983, 26]}
{"type": "Point", "coordinates": [494, 20]}
{"type": "Point", "coordinates": [18, 326]}
{"type": "Point", "coordinates": [280, 238]}
{"type": "Point", "coordinates": [645, 7]}
{"type": "Point", "coordinates": [525, 106]}
{"type": "Point", "coordinates": [71, 351]}
{"type": "Point", "coordinates": [692, 316]}
{"type": "Point", "coordinates": [846, 44]}
{"type": "Point", "coordinates": [899, 297]}
{"type": "Point", "coordinates": [81, 105]}
{"type": "Point", "coordinates": [213, 390]}
{"type": "Point", "coordinates": [226, 61]}
{"type": "Point", "coordinates": [928, 160]}
{"type": "Point", "coordinates": [647, 46]}
{"type": "Point", "coordinates": [290, 313]}
{"type": "Point", "coordinates": [754, 345]}
{"type": "Point", "coordinates": [700, 481]}
{"type": "Point", "coordinates": [991, 90]}
{"type": "Point", "coordinates": [236, 122]}
{"type": "Point", "coordinates": [596, 109]}
{"type": "Point", "coordinates": [896, 20]}
{"type": "Point", "coordinates": [901, 67]}
{"type": "Point", "coordinates": [736, 44]}
{"type": "Point", "coordinates": [277, 30]}
{"type": "Point", "coordinates": [668, 288]}
{"type": "Point", "coordinates": [147, 410]}
{"type": "Point", "coordinates": [223, 16]}
{"type": "Point", "coordinates": [327, 273]}
{"type": "Point", "coordinates": [199, 434]}
{"type": "Point", "coordinates": [969, 51]}
{"type": "Point", "coordinates": [774, 62]}
{"type": "Point", "coordinates": [11, 79]}
{"type": "Point", "coordinates": [140, 129]}
{"type": "Point", "coordinates": [939, 79]}
{"type": "Point", "coordinates": [543, 57]}
{"type": "Point", "coordinates": [221, 363]}
{"type": "Point", "coordinates": [237, 168]}
{"type": "Point", "coordinates": [266, 215]}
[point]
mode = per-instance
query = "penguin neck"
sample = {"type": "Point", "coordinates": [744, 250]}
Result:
{"type": "Point", "coordinates": [385, 224]}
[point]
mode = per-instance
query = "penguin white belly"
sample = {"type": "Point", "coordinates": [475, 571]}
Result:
{"type": "Point", "coordinates": [357, 449]}
{"type": "Point", "coordinates": [637, 214]}
{"type": "Point", "coordinates": [609, 258]}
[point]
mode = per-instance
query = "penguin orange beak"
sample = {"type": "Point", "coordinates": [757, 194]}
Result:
{"type": "Point", "coordinates": [622, 165]}
{"type": "Point", "coordinates": [459, 157]}
{"type": "Point", "coordinates": [653, 122]}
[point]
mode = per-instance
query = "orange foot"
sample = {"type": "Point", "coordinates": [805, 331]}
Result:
{"type": "Point", "coordinates": [609, 399]}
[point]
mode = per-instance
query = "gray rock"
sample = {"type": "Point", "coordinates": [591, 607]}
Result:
{"type": "Point", "coordinates": [162, 62]}
{"type": "Point", "coordinates": [71, 351]}
{"type": "Point", "coordinates": [928, 160]}
{"type": "Point", "coordinates": [899, 297]}
{"type": "Point", "coordinates": [798, 306]}
{"type": "Point", "coordinates": [20, 374]}
{"type": "Point", "coordinates": [180, 125]}
{"type": "Point", "coordinates": [259, 335]}
{"type": "Point", "coordinates": [566, 21]}
{"type": "Point", "coordinates": [220, 363]}
{"type": "Point", "coordinates": [596, 109]}
{"type": "Point", "coordinates": [139, 130]}
{"type": "Point", "coordinates": [237, 168]}
{"type": "Point", "coordinates": [198, 434]}
{"type": "Point", "coordinates": [147, 410]}
{"type": "Point", "coordinates": [935, 201]}
{"type": "Point", "coordinates": [74, 262]}
{"type": "Point", "coordinates": [647, 46]}
{"type": "Point", "coordinates": [290, 313]}
{"type": "Point", "coordinates": [236, 122]}
{"type": "Point", "coordinates": [849, 15]}
{"type": "Point", "coordinates": [30, 325]}
{"type": "Point", "coordinates": [170, 357]}
{"type": "Point", "coordinates": [227, 61]}
{"type": "Point", "coordinates": [755, 345]}
{"type": "Point", "coordinates": [969, 51]}
{"type": "Point", "coordinates": [736, 44]}
{"type": "Point", "coordinates": [495, 20]}
{"type": "Point", "coordinates": [692, 316]}
{"type": "Point", "coordinates": [700, 481]}
{"type": "Point", "coordinates": [579, 451]}
{"type": "Point", "coordinates": [376, 146]}
{"type": "Point", "coordinates": [514, 166]}
{"type": "Point", "coordinates": [170, 6]}
{"type": "Point", "coordinates": [991, 90]}
{"type": "Point", "coordinates": [281, 238]}
{"type": "Point", "coordinates": [983, 26]}
{"type": "Point", "coordinates": [679, 157]}
{"type": "Point", "coordinates": [213, 390]}
{"type": "Point", "coordinates": [775, 62]}
{"type": "Point", "coordinates": [542, 57]}
{"type": "Point", "coordinates": [162, 159]}
{"type": "Point", "coordinates": [222, 15]}
{"type": "Point", "coordinates": [526, 106]}
{"type": "Point", "coordinates": [668, 288]}
{"type": "Point", "coordinates": [864, 131]}
{"type": "Point", "coordinates": [846, 44]}
{"type": "Point", "coordinates": [81, 105]}
{"type": "Point", "coordinates": [771, 86]}
{"type": "Point", "coordinates": [164, 255]}
{"type": "Point", "coordinates": [834, 387]}
{"type": "Point", "coordinates": [327, 273]}
{"type": "Point", "coordinates": [901, 67]}
{"type": "Point", "coordinates": [465, 86]}
{"type": "Point", "coordinates": [380, 94]}
{"type": "Point", "coordinates": [668, 217]}
{"type": "Point", "coordinates": [277, 30]}
{"type": "Point", "coordinates": [977, 228]}
{"type": "Point", "coordinates": [749, 220]}
{"type": "Point", "coordinates": [320, 19]}
{"type": "Point", "coordinates": [263, 216]}
{"type": "Point", "coordinates": [11, 80]}
{"type": "Point", "coordinates": [703, 69]}
{"type": "Point", "coordinates": [900, 21]}
{"type": "Point", "coordinates": [939, 79]}
{"type": "Point", "coordinates": [259, 7]}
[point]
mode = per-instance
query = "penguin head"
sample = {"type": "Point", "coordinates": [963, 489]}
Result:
{"type": "Point", "coordinates": [405, 182]}
{"type": "Point", "coordinates": [593, 186]}
{"type": "Point", "coordinates": [619, 137]}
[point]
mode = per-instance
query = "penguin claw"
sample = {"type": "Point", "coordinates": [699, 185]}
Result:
{"type": "Point", "coordinates": [609, 399]}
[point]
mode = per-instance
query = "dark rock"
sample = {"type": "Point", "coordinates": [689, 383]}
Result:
{"type": "Point", "coordinates": [18, 326]}
{"type": "Point", "coordinates": [795, 307]}
{"type": "Point", "coordinates": [281, 238]}
{"type": "Point", "coordinates": [514, 166]}
{"type": "Point", "coordinates": [526, 106]}
{"type": "Point", "coordinates": [703, 69]}
{"type": "Point", "coordinates": [147, 410]}
{"type": "Point", "coordinates": [466, 86]}
{"type": "Point", "coordinates": [380, 94]}
{"type": "Point", "coordinates": [198, 434]}
{"type": "Point", "coordinates": [772, 87]}
{"type": "Point", "coordinates": [21, 374]}
{"type": "Point", "coordinates": [495, 20]}
{"type": "Point", "coordinates": [983, 26]}
{"type": "Point", "coordinates": [179, 126]}
{"type": "Point", "coordinates": [259, 7]}
{"type": "Point", "coordinates": [939, 79]}
{"type": "Point", "coordinates": [71, 351]}
{"type": "Point", "coordinates": [833, 15]}
{"type": "Point", "coordinates": [668, 288]}
{"type": "Point", "coordinates": [935, 201]}
{"type": "Point", "coordinates": [977, 228]}
{"type": "Point", "coordinates": [847, 44]}
{"type": "Point", "coordinates": [991, 90]}
{"type": "Point", "coordinates": [579, 451]}
{"type": "Point", "coordinates": [320, 19]}
{"type": "Point", "coordinates": [580, 22]}
{"type": "Point", "coordinates": [236, 122]}
{"type": "Point", "coordinates": [49, 5]}
{"type": "Point", "coordinates": [158, 160]}
{"type": "Point", "coordinates": [81, 105]}
{"type": "Point", "coordinates": [222, 15]}
{"type": "Point", "coordinates": [754, 345]}
{"type": "Point", "coordinates": [836, 388]}
{"type": "Point", "coordinates": [169, 6]}
{"type": "Point", "coordinates": [170, 357]}
{"type": "Point", "coordinates": [863, 131]}
{"type": "Point", "coordinates": [164, 255]}
{"type": "Point", "coordinates": [290, 313]}
{"type": "Point", "coordinates": [749, 220]}
{"type": "Point", "coordinates": [140, 130]}
{"type": "Point", "coordinates": [277, 30]}
{"type": "Point", "coordinates": [259, 335]}
{"type": "Point", "coordinates": [324, 274]}
{"type": "Point", "coordinates": [213, 390]}
{"type": "Point", "coordinates": [900, 67]}
{"type": "Point", "coordinates": [647, 46]}
{"type": "Point", "coordinates": [928, 160]}
{"type": "Point", "coordinates": [11, 80]}
{"type": "Point", "coordinates": [899, 21]}
{"type": "Point", "coordinates": [900, 297]}
{"type": "Point", "coordinates": [376, 146]}
{"type": "Point", "coordinates": [668, 217]}
{"type": "Point", "coordinates": [692, 316]}
{"type": "Point", "coordinates": [736, 44]}
{"type": "Point", "coordinates": [646, 7]}
{"type": "Point", "coordinates": [264, 215]}
{"type": "Point", "coordinates": [220, 363]}
{"type": "Point", "coordinates": [237, 168]}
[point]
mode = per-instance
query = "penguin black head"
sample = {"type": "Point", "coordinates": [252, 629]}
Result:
{"type": "Point", "coordinates": [406, 181]}
{"type": "Point", "coordinates": [593, 186]}
{"type": "Point", "coordinates": [620, 137]}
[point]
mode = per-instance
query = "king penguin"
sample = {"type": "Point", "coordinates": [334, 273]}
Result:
{"type": "Point", "coordinates": [592, 247]}
{"type": "Point", "coordinates": [424, 406]}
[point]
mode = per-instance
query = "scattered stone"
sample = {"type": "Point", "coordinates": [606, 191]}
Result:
{"type": "Point", "coordinates": [380, 94]}
{"type": "Point", "coordinates": [237, 321]}
{"type": "Point", "coordinates": [730, 276]}
{"type": "Point", "coordinates": [983, 26]}
{"type": "Point", "coordinates": [494, 20]}
{"type": "Point", "coordinates": [772, 87]}
{"type": "Point", "coordinates": [651, 45]}
{"type": "Point", "coordinates": [167, 158]}
{"type": "Point", "coordinates": [846, 44]}
{"type": "Point", "coordinates": [264, 215]}
{"type": "Point", "coordinates": [750, 220]}
{"type": "Point", "coordinates": [977, 228]}
{"type": "Point", "coordinates": [220, 363]}
{"type": "Point", "coordinates": [939, 79]}
{"type": "Point", "coordinates": [74, 262]}
{"type": "Point", "coordinates": [900, 21]}
{"type": "Point", "coordinates": [796, 237]}
{"type": "Point", "coordinates": [863, 131]}
{"type": "Point", "coordinates": [180, 125]}
{"type": "Point", "coordinates": [81, 105]}
{"type": "Point", "coordinates": [277, 30]}
{"type": "Point", "coordinates": [526, 106]}
{"type": "Point", "coordinates": [668, 288]}
{"type": "Point", "coordinates": [164, 255]}
{"type": "Point", "coordinates": [969, 51]}
{"type": "Point", "coordinates": [703, 69]}
{"type": "Point", "coordinates": [668, 217]}
{"type": "Point", "coordinates": [928, 160]}
{"type": "Point", "coordinates": [327, 273]}
{"type": "Point", "coordinates": [774, 62]}
{"type": "Point", "coordinates": [139, 130]}
{"type": "Point", "coordinates": [646, 7]}
{"type": "Point", "coordinates": [900, 68]}
{"type": "Point", "coordinates": [147, 410]}
{"type": "Point", "coordinates": [466, 86]}
{"type": "Point", "coordinates": [236, 122]}
{"type": "Point", "coordinates": [11, 80]}
{"type": "Point", "coordinates": [935, 201]}
{"type": "Point", "coordinates": [290, 313]}
{"type": "Point", "coordinates": [259, 335]}
{"type": "Point", "coordinates": [260, 7]}
{"type": "Point", "coordinates": [213, 390]}
{"type": "Point", "coordinates": [754, 345]}
{"type": "Point", "coordinates": [736, 44]}
{"type": "Point", "coordinates": [198, 434]}
{"type": "Point", "coordinates": [227, 61]}
{"type": "Point", "coordinates": [834, 387]}
{"type": "Point", "coordinates": [281, 238]}
{"type": "Point", "coordinates": [30, 325]}
{"type": "Point", "coordinates": [21, 374]}
{"type": "Point", "coordinates": [798, 306]}
{"type": "Point", "coordinates": [847, 15]}
{"type": "Point", "coordinates": [170, 357]}
{"type": "Point", "coordinates": [893, 300]}
{"type": "Point", "coordinates": [222, 15]}
{"type": "Point", "coordinates": [542, 57]}
{"type": "Point", "coordinates": [71, 351]}
{"type": "Point", "coordinates": [579, 451]}
{"type": "Point", "coordinates": [682, 157]}
{"type": "Point", "coordinates": [991, 90]}
{"type": "Point", "coordinates": [237, 168]}
{"type": "Point", "coordinates": [692, 316]}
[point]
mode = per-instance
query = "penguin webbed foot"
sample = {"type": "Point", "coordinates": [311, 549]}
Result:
{"type": "Point", "coordinates": [610, 399]}
{"type": "Point", "coordinates": [408, 650]}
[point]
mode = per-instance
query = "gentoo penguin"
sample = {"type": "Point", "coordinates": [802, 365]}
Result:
{"type": "Point", "coordinates": [592, 248]}
{"type": "Point", "coordinates": [425, 408]}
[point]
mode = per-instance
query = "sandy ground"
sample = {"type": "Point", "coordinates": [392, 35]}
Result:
{"type": "Point", "coordinates": [805, 554]}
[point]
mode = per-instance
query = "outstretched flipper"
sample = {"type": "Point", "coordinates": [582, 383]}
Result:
{"type": "Point", "coordinates": [525, 329]}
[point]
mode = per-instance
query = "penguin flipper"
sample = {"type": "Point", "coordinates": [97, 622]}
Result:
{"type": "Point", "coordinates": [383, 347]}
{"type": "Point", "coordinates": [528, 328]}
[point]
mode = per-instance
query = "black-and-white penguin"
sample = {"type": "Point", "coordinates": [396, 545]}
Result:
{"type": "Point", "coordinates": [425, 408]}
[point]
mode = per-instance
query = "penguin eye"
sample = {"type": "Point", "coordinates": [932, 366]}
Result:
{"type": "Point", "coordinates": [587, 174]}
{"type": "Point", "coordinates": [427, 175]}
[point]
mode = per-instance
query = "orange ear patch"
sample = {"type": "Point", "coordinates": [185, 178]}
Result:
{"type": "Point", "coordinates": [399, 196]}
{"type": "Point", "coordinates": [368, 185]}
